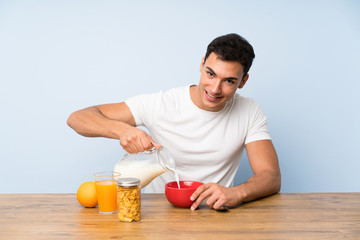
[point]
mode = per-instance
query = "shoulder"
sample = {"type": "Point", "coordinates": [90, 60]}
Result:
{"type": "Point", "coordinates": [245, 107]}
{"type": "Point", "coordinates": [175, 92]}
{"type": "Point", "coordinates": [160, 95]}
{"type": "Point", "coordinates": [168, 99]}
{"type": "Point", "coordinates": [244, 102]}
{"type": "Point", "coordinates": [174, 95]}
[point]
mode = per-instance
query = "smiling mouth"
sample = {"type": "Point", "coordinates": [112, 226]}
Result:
{"type": "Point", "coordinates": [211, 97]}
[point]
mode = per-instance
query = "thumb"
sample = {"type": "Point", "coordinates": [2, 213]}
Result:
{"type": "Point", "coordinates": [157, 146]}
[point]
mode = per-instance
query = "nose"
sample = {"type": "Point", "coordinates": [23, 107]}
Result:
{"type": "Point", "coordinates": [216, 87]}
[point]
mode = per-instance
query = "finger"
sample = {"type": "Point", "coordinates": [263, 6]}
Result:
{"type": "Point", "coordinates": [211, 200]}
{"type": "Point", "coordinates": [201, 198]}
{"type": "Point", "coordinates": [127, 149]}
{"type": "Point", "coordinates": [198, 191]}
{"type": "Point", "coordinates": [139, 145]}
{"type": "Point", "coordinates": [136, 147]}
{"type": "Point", "coordinates": [214, 201]}
{"type": "Point", "coordinates": [132, 145]}
{"type": "Point", "coordinates": [157, 146]}
{"type": "Point", "coordinates": [131, 149]}
{"type": "Point", "coordinates": [125, 146]}
{"type": "Point", "coordinates": [147, 145]}
{"type": "Point", "coordinates": [201, 193]}
{"type": "Point", "coordinates": [218, 204]}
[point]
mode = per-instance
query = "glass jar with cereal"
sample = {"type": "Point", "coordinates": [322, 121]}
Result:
{"type": "Point", "coordinates": [129, 199]}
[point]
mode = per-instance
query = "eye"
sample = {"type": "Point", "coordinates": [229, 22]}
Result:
{"type": "Point", "coordinates": [210, 74]}
{"type": "Point", "coordinates": [230, 82]}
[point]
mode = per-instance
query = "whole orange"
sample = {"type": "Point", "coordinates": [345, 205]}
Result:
{"type": "Point", "coordinates": [86, 194]}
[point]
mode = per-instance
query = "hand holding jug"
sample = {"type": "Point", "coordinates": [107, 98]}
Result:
{"type": "Point", "coordinates": [146, 165]}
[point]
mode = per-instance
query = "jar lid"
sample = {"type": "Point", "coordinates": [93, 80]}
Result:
{"type": "Point", "coordinates": [128, 182]}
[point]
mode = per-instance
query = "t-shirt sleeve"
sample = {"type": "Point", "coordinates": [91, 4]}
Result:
{"type": "Point", "coordinates": [258, 127]}
{"type": "Point", "coordinates": [144, 108]}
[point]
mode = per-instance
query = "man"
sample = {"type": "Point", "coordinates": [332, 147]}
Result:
{"type": "Point", "coordinates": [205, 127]}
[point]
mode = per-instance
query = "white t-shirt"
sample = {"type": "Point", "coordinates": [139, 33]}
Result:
{"type": "Point", "coordinates": [207, 146]}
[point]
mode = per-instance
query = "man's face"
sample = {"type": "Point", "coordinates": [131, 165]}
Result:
{"type": "Point", "coordinates": [218, 83]}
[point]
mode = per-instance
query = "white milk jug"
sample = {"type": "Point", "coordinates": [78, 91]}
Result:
{"type": "Point", "coordinates": [146, 165]}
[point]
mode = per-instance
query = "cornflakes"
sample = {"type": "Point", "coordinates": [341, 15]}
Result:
{"type": "Point", "coordinates": [129, 203]}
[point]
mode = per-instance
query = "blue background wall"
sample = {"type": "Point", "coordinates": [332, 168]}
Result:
{"type": "Point", "coordinates": [60, 56]}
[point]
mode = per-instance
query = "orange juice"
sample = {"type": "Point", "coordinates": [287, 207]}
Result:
{"type": "Point", "coordinates": [107, 196]}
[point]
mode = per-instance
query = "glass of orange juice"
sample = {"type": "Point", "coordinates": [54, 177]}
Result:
{"type": "Point", "coordinates": [106, 192]}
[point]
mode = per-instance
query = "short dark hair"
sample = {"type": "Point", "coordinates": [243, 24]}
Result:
{"type": "Point", "coordinates": [232, 47]}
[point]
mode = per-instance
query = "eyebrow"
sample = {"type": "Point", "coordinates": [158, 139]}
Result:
{"type": "Point", "coordinates": [228, 78]}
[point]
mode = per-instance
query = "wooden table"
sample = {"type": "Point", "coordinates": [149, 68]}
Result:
{"type": "Point", "coordinates": [281, 216]}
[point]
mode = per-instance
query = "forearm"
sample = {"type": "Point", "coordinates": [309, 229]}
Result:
{"type": "Point", "coordinates": [260, 185]}
{"type": "Point", "coordinates": [90, 122]}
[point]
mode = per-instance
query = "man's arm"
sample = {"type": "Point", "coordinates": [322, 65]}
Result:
{"type": "Point", "coordinates": [266, 180]}
{"type": "Point", "coordinates": [111, 121]}
{"type": "Point", "coordinates": [265, 165]}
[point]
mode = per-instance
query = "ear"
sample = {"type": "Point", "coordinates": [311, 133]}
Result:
{"type": "Point", "coordinates": [243, 81]}
{"type": "Point", "coordinates": [202, 63]}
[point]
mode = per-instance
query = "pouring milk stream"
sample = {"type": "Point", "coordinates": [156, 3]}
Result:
{"type": "Point", "coordinates": [146, 165]}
